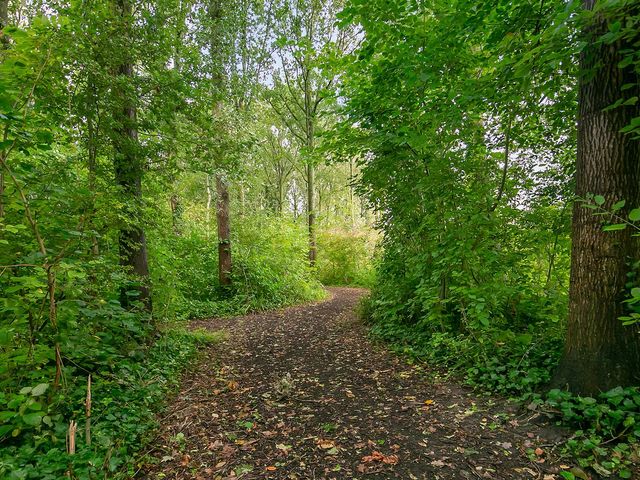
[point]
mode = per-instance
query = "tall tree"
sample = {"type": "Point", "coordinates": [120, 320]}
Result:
{"type": "Point", "coordinates": [307, 35]}
{"type": "Point", "coordinates": [128, 163]}
{"type": "Point", "coordinates": [600, 352]}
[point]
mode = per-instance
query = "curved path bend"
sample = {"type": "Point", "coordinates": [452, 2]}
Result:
{"type": "Point", "coordinates": [302, 393]}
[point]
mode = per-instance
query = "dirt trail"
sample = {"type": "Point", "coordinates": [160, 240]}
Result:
{"type": "Point", "coordinates": [302, 393]}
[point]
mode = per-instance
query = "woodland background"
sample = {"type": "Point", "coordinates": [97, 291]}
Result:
{"type": "Point", "coordinates": [165, 160]}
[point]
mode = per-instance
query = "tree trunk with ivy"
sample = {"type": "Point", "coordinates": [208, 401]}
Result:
{"type": "Point", "coordinates": [600, 352]}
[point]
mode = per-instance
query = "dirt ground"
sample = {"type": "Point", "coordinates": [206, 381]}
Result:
{"type": "Point", "coordinates": [302, 393]}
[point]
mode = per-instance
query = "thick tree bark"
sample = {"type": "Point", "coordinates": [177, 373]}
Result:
{"type": "Point", "coordinates": [224, 232]}
{"type": "Point", "coordinates": [601, 353]}
{"type": "Point", "coordinates": [129, 171]}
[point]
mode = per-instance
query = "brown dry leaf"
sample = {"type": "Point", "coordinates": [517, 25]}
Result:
{"type": "Point", "coordinates": [232, 385]}
{"type": "Point", "coordinates": [374, 457]}
{"type": "Point", "coordinates": [217, 445]}
{"type": "Point", "coordinates": [228, 451]}
{"type": "Point", "coordinates": [391, 459]}
{"type": "Point", "coordinates": [538, 451]}
{"type": "Point", "coordinates": [186, 458]}
{"type": "Point", "coordinates": [380, 457]}
{"type": "Point", "coordinates": [362, 468]}
{"type": "Point", "coordinates": [271, 468]}
{"type": "Point", "coordinates": [326, 444]}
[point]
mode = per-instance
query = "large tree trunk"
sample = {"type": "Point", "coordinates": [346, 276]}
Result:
{"type": "Point", "coordinates": [601, 353]}
{"type": "Point", "coordinates": [224, 232]}
{"type": "Point", "coordinates": [129, 170]}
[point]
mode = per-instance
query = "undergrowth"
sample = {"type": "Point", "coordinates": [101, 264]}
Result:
{"type": "Point", "coordinates": [605, 429]}
{"type": "Point", "coordinates": [125, 404]}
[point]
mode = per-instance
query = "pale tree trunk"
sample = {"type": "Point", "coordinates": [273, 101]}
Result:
{"type": "Point", "coordinates": [129, 172]}
{"type": "Point", "coordinates": [311, 214]}
{"type": "Point", "coordinates": [352, 210]}
{"type": "Point", "coordinates": [208, 210]}
{"type": "Point", "coordinates": [601, 353]}
{"type": "Point", "coordinates": [310, 131]}
{"type": "Point", "coordinates": [224, 232]}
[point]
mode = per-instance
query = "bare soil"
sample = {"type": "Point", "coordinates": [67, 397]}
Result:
{"type": "Point", "coordinates": [303, 393]}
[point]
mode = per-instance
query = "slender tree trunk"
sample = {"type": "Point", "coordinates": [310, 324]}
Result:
{"type": "Point", "coordinates": [311, 214]}
{"type": "Point", "coordinates": [242, 200]}
{"type": "Point", "coordinates": [92, 156]}
{"type": "Point", "coordinates": [352, 211]}
{"type": "Point", "coordinates": [224, 232]}
{"type": "Point", "coordinates": [176, 214]}
{"type": "Point", "coordinates": [601, 353]}
{"type": "Point", "coordinates": [129, 172]}
{"type": "Point", "coordinates": [209, 199]}
{"type": "Point", "coordinates": [4, 42]}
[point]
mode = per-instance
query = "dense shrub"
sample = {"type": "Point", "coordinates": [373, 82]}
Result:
{"type": "Point", "coordinates": [345, 257]}
{"type": "Point", "coordinates": [270, 269]}
{"type": "Point", "coordinates": [126, 399]}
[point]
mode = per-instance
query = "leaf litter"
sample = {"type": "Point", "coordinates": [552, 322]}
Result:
{"type": "Point", "coordinates": [303, 393]}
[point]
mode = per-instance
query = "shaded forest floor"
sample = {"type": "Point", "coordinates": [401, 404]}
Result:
{"type": "Point", "coordinates": [302, 393]}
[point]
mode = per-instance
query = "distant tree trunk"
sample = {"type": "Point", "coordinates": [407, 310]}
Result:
{"type": "Point", "coordinates": [208, 209]}
{"type": "Point", "coordinates": [311, 214]}
{"type": "Point", "coordinates": [92, 155]}
{"type": "Point", "coordinates": [176, 214]}
{"type": "Point", "coordinates": [352, 211]}
{"type": "Point", "coordinates": [242, 200]}
{"type": "Point", "coordinates": [224, 232]}
{"type": "Point", "coordinates": [129, 171]}
{"type": "Point", "coordinates": [4, 42]}
{"type": "Point", "coordinates": [600, 353]}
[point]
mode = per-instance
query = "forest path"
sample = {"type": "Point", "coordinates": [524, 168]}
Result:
{"type": "Point", "coordinates": [302, 393]}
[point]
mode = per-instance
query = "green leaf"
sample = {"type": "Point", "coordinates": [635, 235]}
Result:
{"type": "Point", "coordinates": [39, 389]}
{"type": "Point", "coordinates": [33, 419]}
{"type": "Point", "coordinates": [614, 227]}
{"type": "Point", "coordinates": [634, 215]}
{"type": "Point", "coordinates": [599, 199]}
{"type": "Point", "coordinates": [618, 205]}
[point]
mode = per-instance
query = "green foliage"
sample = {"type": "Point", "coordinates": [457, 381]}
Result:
{"type": "Point", "coordinates": [125, 403]}
{"type": "Point", "coordinates": [345, 258]}
{"type": "Point", "coordinates": [271, 256]}
{"type": "Point", "coordinates": [490, 360]}
{"type": "Point", "coordinates": [607, 428]}
{"type": "Point", "coordinates": [269, 253]}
